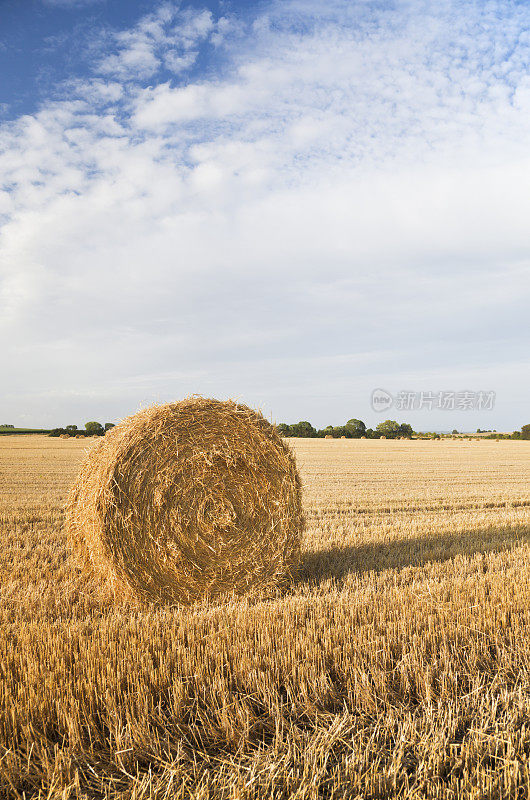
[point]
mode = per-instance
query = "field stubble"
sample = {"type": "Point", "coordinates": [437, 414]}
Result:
{"type": "Point", "coordinates": [397, 665]}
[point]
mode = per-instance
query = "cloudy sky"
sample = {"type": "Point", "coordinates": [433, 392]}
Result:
{"type": "Point", "coordinates": [288, 202]}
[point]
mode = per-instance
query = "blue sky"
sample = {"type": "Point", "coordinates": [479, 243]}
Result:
{"type": "Point", "coordinates": [46, 42]}
{"type": "Point", "coordinates": [291, 203]}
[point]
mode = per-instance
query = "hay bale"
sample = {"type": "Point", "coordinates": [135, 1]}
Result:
{"type": "Point", "coordinates": [328, 436]}
{"type": "Point", "coordinates": [382, 437]}
{"type": "Point", "coordinates": [189, 500]}
{"type": "Point", "coordinates": [80, 436]}
{"type": "Point", "coordinates": [64, 436]}
{"type": "Point", "coordinates": [342, 437]}
{"type": "Point", "coordinates": [363, 437]}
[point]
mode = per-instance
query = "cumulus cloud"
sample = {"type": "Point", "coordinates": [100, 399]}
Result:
{"type": "Point", "coordinates": [168, 38]}
{"type": "Point", "coordinates": [343, 196]}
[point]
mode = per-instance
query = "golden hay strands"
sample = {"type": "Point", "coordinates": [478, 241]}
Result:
{"type": "Point", "coordinates": [190, 500]}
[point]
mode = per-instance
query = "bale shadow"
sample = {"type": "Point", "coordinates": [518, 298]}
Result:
{"type": "Point", "coordinates": [337, 562]}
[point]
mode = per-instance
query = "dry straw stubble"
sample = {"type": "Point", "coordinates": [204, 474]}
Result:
{"type": "Point", "coordinates": [190, 500]}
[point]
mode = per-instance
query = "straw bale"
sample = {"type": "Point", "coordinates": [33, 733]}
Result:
{"type": "Point", "coordinates": [189, 500]}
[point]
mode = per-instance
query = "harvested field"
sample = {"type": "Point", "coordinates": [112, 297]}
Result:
{"type": "Point", "coordinates": [397, 665]}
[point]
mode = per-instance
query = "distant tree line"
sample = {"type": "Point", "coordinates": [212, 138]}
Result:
{"type": "Point", "coordinates": [524, 433]}
{"type": "Point", "coordinates": [390, 429]}
{"type": "Point", "coordinates": [353, 429]}
{"type": "Point", "coordinates": [91, 429]}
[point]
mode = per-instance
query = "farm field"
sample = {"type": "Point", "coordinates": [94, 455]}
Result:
{"type": "Point", "coordinates": [397, 665]}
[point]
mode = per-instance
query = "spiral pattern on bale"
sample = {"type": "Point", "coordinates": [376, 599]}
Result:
{"type": "Point", "coordinates": [190, 500]}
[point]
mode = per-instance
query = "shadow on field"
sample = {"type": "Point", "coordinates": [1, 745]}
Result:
{"type": "Point", "coordinates": [337, 562]}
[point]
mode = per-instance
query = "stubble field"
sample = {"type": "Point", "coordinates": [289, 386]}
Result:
{"type": "Point", "coordinates": [398, 665]}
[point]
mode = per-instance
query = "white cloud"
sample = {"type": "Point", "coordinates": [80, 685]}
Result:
{"type": "Point", "coordinates": [169, 37]}
{"type": "Point", "coordinates": [345, 198]}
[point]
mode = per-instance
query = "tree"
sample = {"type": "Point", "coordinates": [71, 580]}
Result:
{"type": "Point", "coordinates": [71, 428]}
{"type": "Point", "coordinates": [94, 428]}
{"type": "Point", "coordinates": [388, 428]}
{"type": "Point", "coordinates": [303, 429]}
{"type": "Point", "coordinates": [56, 432]}
{"type": "Point", "coordinates": [284, 429]}
{"type": "Point", "coordinates": [525, 432]}
{"type": "Point", "coordinates": [454, 431]}
{"type": "Point", "coordinates": [356, 428]}
{"type": "Point", "coordinates": [108, 426]}
{"type": "Point", "coordinates": [340, 430]}
{"type": "Point", "coordinates": [406, 430]}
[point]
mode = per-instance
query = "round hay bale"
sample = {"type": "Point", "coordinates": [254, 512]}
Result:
{"type": "Point", "coordinates": [342, 437]}
{"type": "Point", "coordinates": [80, 436]}
{"type": "Point", "coordinates": [363, 437]}
{"type": "Point", "coordinates": [328, 436]}
{"type": "Point", "coordinates": [382, 437]}
{"type": "Point", "coordinates": [64, 436]}
{"type": "Point", "coordinates": [189, 500]}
